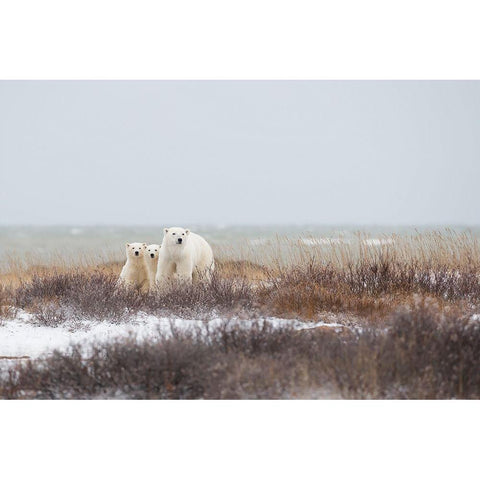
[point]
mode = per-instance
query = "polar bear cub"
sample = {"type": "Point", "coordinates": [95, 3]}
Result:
{"type": "Point", "coordinates": [151, 262]}
{"type": "Point", "coordinates": [134, 272]}
{"type": "Point", "coordinates": [184, 256]}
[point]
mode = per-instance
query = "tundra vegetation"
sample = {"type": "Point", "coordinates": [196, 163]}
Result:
{"type": "Point", "coordinates": [409, 307]}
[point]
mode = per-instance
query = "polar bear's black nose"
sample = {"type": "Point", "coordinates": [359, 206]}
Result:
{"type": "Point", "coordinates": [179, 240]}
{"type": "Point", "coordinates": [152, 255]}
{"type": "Point", "coordinates": [136, 253]}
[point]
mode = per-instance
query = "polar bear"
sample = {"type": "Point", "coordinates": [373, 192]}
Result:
{"type": "Point", "coordinates": [134, 272]}
{"type": "Point", "coordinates": [184, 256]}
{"type": "Point", "coordinates": [151, 262]}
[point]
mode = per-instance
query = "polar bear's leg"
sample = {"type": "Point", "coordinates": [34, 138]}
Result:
{"type": "Point", "coordinates": [145, 284]}
{"type": "Point", "coordinates": [196, 275]}
{"type": "Point", "coordinates": [165, 271]}
{"type": "Point", "coordinates": [184, 271]}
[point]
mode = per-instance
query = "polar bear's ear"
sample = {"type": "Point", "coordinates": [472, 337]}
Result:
{"type": "Point", "coordinates": [144, 245]}
{"type": "Point", "coordinates": [127, 245]}
{"type": "Point", "coordinates": [187, 231]}
{"type": "Point", "coordinates": [165, 230]}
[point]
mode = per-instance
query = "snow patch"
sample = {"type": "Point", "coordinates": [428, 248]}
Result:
{"type": "Point", "coordinates": [323, 241]}
{"type": "Point", "coordinates": [373, 242]}
{"type": "Point", "coordinates": [19, 337]}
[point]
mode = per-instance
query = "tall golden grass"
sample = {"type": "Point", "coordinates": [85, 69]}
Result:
{"type": "Point", "coordinates": [291, 277]}
{"type": "Point", "coordinates": [446, 249]}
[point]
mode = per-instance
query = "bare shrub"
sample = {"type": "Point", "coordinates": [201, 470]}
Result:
{"type": "Point", "coordinates": [370, 289]}
{"type": "Point", "coordinates": [283, 277]}
{"type": "Point", "coordinates": [423, 353]}
{"type": "Point", "coordinates": [56, 297]}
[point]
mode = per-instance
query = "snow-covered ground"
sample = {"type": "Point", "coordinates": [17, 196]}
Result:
{"type": "Point", "coordinates": [20, 337]}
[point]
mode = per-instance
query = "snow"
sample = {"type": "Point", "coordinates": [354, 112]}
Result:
{"type": "Point", "coordinates": [378, 241]}
{"type": "Point", "coordinates": [19, 337]}
{"type": "Point", "coordinates": [324, 241]}
{"type": "Point", "coordinates": [370, 242]}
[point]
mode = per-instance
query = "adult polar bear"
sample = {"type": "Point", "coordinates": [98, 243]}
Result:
{"type": "Point", "coordinates": [184, 256]}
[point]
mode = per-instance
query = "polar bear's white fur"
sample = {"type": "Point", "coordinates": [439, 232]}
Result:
{"type": "Point", "coordinates": [184, 256]}
{"type": "Point", "coordinates": [151, 262]}
{"type": "Point", "coordinates": [134, 272]}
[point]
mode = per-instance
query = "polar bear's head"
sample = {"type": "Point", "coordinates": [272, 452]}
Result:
{"type": "Point", "coordinates": [175, 236]}
{"type": "Point", "coordinates": [152, 251]}
{"type": "Point", "coordinates": [135, 249]}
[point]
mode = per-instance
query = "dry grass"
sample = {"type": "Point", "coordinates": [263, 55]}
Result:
{"type": "Point", "coordinates": [283, 278]}
{"type": "Point", "coordinates": [423, 353]}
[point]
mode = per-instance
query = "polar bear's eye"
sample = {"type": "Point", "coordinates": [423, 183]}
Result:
{"type": "Point", "coordinates": [173, 234]}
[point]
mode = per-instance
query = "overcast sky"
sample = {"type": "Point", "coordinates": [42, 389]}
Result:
{"type": "Point", "coordinates": [237, 152]}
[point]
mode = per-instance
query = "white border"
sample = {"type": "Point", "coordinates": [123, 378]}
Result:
{"type": "Point", "coordinates": [247, 39]}
{"type": "Point", "coordinates": [231, 439]}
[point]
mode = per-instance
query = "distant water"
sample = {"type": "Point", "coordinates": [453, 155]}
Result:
{"type": "Point", "coordinates": [43, 243]}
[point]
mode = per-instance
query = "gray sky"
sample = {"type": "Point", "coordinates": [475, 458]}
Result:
{"type": "Point", "coordinates": [238, 152]}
